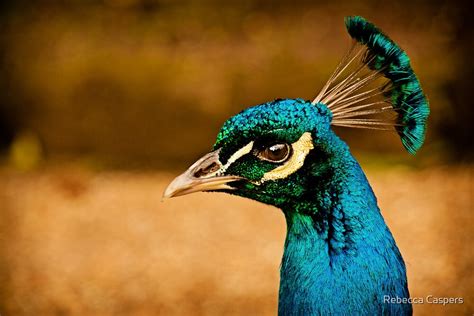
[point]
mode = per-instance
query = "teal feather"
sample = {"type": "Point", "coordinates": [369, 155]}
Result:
{"type": "Point", "coordinates": [407, 97]}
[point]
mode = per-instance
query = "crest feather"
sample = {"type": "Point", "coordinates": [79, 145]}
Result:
{"type": "Point", "coordinates": [375, 87]}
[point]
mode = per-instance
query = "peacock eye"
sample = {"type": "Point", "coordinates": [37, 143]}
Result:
{"type": "Point", "coordinates": [275, 153]}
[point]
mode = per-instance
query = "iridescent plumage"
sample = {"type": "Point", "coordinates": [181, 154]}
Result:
{"type": "Point", "coordinates": [339, 256]}
{"type": "Point", "coordinates": [382, 82]}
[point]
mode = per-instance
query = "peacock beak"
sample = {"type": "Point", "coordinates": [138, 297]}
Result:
{"type": "Point", "coordinates": [204, 175]}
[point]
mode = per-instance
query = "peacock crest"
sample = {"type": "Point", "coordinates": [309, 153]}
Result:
{"type": "Point", "coordinates": [375, 87]}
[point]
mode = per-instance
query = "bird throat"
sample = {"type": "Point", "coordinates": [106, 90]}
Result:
{"type": "Point", "coordinates": [339, 256]}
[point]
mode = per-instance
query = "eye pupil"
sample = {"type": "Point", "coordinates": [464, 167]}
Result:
{"type": "Point", "coordinates": [275, 153]}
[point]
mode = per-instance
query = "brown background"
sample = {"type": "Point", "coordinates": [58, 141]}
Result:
{"type": "Point", "coordinates": [102, 103]}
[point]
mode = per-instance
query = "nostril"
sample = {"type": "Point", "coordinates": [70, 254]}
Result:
{"type": "Point", "coordinates": [211, 168]}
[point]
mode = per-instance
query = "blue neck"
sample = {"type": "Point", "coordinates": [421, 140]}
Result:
{"type": "Point", "coordinates": [340, 257]}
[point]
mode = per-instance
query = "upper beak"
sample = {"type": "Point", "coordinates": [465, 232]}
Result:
{"type": "Point", "coordinates": [203, 175]}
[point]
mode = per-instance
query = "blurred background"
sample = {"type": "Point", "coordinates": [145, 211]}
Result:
{"type": "Point", "coordinates": [103, 102]}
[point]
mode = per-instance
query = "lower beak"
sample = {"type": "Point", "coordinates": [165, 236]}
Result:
{"type": "Point", "coordinates": [203, 175]}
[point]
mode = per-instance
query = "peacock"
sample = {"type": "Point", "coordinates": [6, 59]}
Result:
{"type": "Point", "coordinates": [339, 256]}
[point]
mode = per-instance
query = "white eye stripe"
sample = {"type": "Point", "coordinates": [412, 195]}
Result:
{"type": "Point", "coordinates": [238, 154]}
{"type": "Point", "coordinates": [301, 149]}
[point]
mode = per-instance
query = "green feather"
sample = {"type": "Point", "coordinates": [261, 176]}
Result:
{"type": "Point", "coordinates": [407, 97]}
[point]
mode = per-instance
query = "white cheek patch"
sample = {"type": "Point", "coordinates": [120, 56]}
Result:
{"type": "Point", "coordinates": [210, 161]}
{"type": "Point", "coordinates": [301, 149]}
{"type": "Point", "coordinates": [238, 154]}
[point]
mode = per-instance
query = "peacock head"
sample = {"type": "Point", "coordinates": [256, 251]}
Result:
{"type": "Point", "coordinates": [263, 153]}
{"type": "Point", "coordinates": [276, 151]}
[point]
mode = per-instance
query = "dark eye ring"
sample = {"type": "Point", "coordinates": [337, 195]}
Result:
{"type": "Point", "coordinates": [275, 153]}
